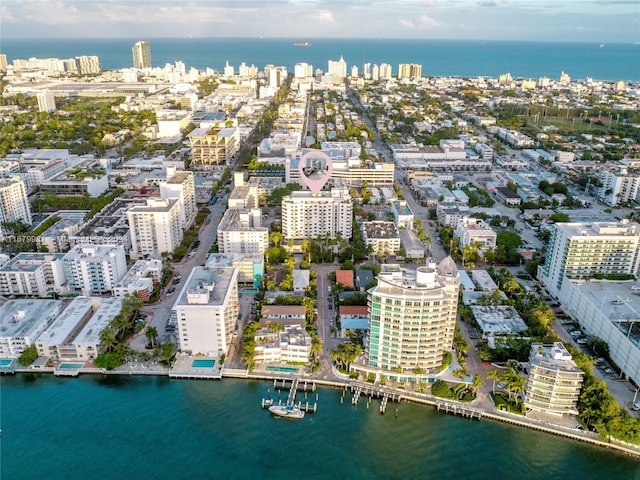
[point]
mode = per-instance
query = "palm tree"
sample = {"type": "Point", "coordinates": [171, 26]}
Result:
{"type": "Point", "coordinates": [493, 375]}
{"type": "Point", "coordinates": [460, 372]}
{"type": "Point", "coordinates": [108, 338]}
{"type": "Point", "coordinates": [151, 333]}
{"type": "Point", "coordinates": [476, 383]}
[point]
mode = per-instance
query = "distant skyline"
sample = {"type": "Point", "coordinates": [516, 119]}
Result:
{"type": "Point", "coordinates": [533, 20]}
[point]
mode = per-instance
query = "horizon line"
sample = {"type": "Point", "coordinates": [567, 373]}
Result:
{"type": "Point", "coordinates": [261, 37]}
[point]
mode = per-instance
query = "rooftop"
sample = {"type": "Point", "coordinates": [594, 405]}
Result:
{"type": "Point", "coordinates": [22, 318]}
{"type": "Point", "coordinates": [207, 286]}
{"type": "Point", "coordinates": [30, 262]}
{"type": "Point", "coordinates": [498, 319]}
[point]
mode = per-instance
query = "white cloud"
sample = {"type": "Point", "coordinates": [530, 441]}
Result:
{"type": "Point", "coordinates": [407, 24]}
{"type": "Point", "coordinates": [428, 22]}
{"type": "Point", "coordinates": [324, 16]}
{"type": "Point", "coordinates": [424, 22]}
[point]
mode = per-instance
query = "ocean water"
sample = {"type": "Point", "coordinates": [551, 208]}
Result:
{"type": "Point", "coordinates": [463, 58]}
{"type": "Point", "coordinates": [152, 427]}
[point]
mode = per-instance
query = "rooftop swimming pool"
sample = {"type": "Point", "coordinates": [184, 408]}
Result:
{"type": "Point", "coordinates": [5, 362]}
{"type": "Point", "coordinates": [203, 363]}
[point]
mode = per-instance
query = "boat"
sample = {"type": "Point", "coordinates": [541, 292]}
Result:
{"type": "Point", "coordinates": [289, 411]}
{"type": "Point", "coordinates": [304, 44]}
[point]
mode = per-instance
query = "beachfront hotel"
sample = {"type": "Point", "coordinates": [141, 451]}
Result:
{"type": "Point", "coordinates": [412, 318]}
{"type": "Point", "coordinates": [309, 215]}
{"type": "Point", "coordinates": [554, 381]}
{"type": "Point", "coordinates": [141, 52]}
{"type": "Point", "coordinates": [582, 250]}
{"type": "Point", "coordinates": [207, 310]}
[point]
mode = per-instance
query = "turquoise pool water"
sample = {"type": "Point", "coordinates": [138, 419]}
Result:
{"type": "Point", "coordinates": [5, 362]}
{"type": "Point", "coordinates": [70, 366]}
{"type": "Point", "coordinates": [282, 369]}
{"type": "Point", "coordinates": [202, 363]}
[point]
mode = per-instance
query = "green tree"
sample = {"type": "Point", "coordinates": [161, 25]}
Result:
{"type": "Point", "coordinates": [493, 375]}
{"type": "Point", "coordinates": [151, 334]}
{"type": "Point", "coordinates": [28, 356]}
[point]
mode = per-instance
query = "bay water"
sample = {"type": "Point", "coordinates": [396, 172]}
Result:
{"type": "Point", "coordinates": [151, 427]}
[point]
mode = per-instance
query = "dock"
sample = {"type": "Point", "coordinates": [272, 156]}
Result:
{"type": "Point", "coordinates": [293, 385]}
{"type": "Point", "coordinates": [452, 409]}
{"type": "Point", "coordinates": [374, 391]}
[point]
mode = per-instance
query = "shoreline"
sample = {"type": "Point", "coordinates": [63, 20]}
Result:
{"type": "Point", "coordinates": [422, 399]}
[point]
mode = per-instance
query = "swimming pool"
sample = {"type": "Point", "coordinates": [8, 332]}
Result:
{"type": "Point", "coordinates": [282, 369]}
{"type": "Point", "coordinates": [5, 362]}
{"type": "Point", "coordinates": [203, 363]}
{"type": "Point", "coordinates": [70, 366]}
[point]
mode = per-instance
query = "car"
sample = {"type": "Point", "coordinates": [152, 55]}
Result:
{"type": "Point", "coordinates": [330, 307]}
{"type": "Point", "coordinates": [636, 406]}
{"type": "Point", "coordinates": [581, 341]}
{"type": "Point", "coordinates": [575, 333]}
{"type": "Point", "coordinates": [608, 370]}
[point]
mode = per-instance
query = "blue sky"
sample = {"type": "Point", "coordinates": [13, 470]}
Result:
{"type": "Point", "coordinates": [541, 20]}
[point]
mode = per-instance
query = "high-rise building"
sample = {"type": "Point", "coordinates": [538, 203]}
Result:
{"type": "Point", "coordinates": [366, 71]}
{"type": "Point", "coordinates": [554, 381]}
{"type": "Point", "coordinates": [141, 55]}
{"type": "Point", "coordinates": [87, 65]}
{"type": "Point", "coordinates": [302, 70]}
{"type": "Point", "coordinates": [240, 231]}
{"type": "Point", "coordinates": [385, 71]}
{"type": "Point", "coordinates": [14, 203]}
{"type": "Point", "coordinates": [618, 186]}
{"type": "Point", "coordinates": [229, 71]}
{"type": "Point", "coordinates": [181, 186]}
{"type": "Point", "coordinates": [409, 70]}
{"type": "Point", "coordinates": [582, 250]}
{"type": "Point", "coordinates": [46, 101]}
{"type": "Point", "coordinates": [412, 317]}
{"type": "Point", "coordinates": [337, 68]}
{"type": "Point", "coordinates": [307, 215]}
{"type": "Point", "coordinates": [155, 228]}
{"type": "Point", "coordinates": [3, 62]}
{"type": "Point", "coordinates": [94, 269]}
{"type": "Point", "coordinates": [207, 310]}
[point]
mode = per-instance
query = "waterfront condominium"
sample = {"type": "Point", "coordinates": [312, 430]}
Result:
{"type": "Point", "coordinates": [582, 250]}
{"type": "Point", "coordinates": [141, 55]}
{"type": "Point", "coordinates": [14, 204]}
{"type": "Point", "coordinates": [412, 318]}
{"type": "Point", "coordinates": [309, 215]}
{"type": "Point", "coordinates": [155, 228]}
{"type": "Point", "coordinates": [554, 381]}
{"type": "Point", "coordinates": [207, 310]}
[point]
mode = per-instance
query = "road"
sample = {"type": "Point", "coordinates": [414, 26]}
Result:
{"type": "Point", "coordinates": [158, 313]}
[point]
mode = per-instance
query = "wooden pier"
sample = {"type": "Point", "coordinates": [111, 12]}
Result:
{"type": "Point", "coordinates": [374, 391]}
{"type": "Point", "coordinates": [294, 385]}
{"type": "Point", "coordinates": [459, 410]}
